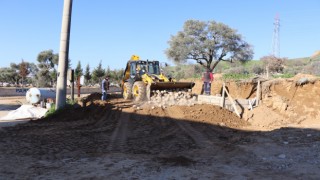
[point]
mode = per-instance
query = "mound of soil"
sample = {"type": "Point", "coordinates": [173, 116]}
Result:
{"type": "Point", "coordinates": [200, 113]}
{"type": "Point", "coordinates": [301, 75]}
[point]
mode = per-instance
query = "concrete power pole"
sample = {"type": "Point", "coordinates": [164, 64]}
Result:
{"type": "Point", "coordinates": [63, 55]}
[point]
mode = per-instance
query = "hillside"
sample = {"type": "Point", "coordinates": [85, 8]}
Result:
{"type": "Point", "coordinates": [291, 67]}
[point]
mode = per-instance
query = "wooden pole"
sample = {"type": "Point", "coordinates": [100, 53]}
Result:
{"type": "Point", "coordinates": [72, 85]}
{"type": "Point", "coordinates": [223, 96]}
{"type": "Point", "coordinates": [258, 93]}
{"type": "Point", "coordinates": [72, 91]}
{"type": "Point", "coordinates": [78, 86]}
{"type": "Point", "coordinates": [233, 103]}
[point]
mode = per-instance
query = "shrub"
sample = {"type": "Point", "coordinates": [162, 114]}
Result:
{"type": "Point", "coordinates": [273, 63]}
{"type": "Point", "coordinates": [257, 69]}
{"type": "Point", "coordinates": [313, 68]}
{"type": "Point", "coordinates": [237, 70]}
{"type": "Point", "coordinates": [292, 70]}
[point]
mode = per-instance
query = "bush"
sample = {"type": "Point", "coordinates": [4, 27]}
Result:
{"type": "Point", "coordinates": [313, 68]}
{"type": "Point", "coordinates": [273, 63]}
{"type": "Point", "coordinates": [237, 70]}
{"type": "Point", "coordinates": [293, 70]}
{"type": "Point", "coordinates": [257, 69]}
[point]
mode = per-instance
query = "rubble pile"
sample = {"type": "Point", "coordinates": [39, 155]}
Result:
{"type": "Point", "coordinates": [167, 98]}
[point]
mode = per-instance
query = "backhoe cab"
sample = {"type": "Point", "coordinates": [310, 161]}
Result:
{"type": "Point", "coordinates": [141, 77]}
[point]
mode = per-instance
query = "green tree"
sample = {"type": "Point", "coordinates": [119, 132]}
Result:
{"type": "Point", "coordinates": [9, 75]}
{"type": "Point", "coordinates": [53, 75]}
{"type": "Point", "coordinates": [15, 73]}
{"type": "Point", "coordinates": [47, 62]}
{"type": "Point", "coordinates": [108, 70]}
{"type": "Point", "coordinates": [208, 43]}
{"type": "Point", "coordinates": [19, 72]}
{"type": "Point", "coordinates": [87, 75]}
{"type": "Point", "coordinates": [116, 75]}
{"type": "Point", "coordinates": [33, 68]}
{"type": "Point", "coordinates": [78, 72]}
{"type": "Point", "coordinates": [47, 59]}
{"type": "Point", "coordinates": [98, 73]}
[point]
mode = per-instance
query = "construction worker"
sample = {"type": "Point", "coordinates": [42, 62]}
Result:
{"type": "Point", "coordinates": [207, 79]}
{"type": "Point", "coordinates": [104, 87]}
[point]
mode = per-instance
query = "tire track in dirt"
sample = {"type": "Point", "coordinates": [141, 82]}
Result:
{"type": "Point", "coordinates": [164, 122]}
{"type": "Point", "coordinates": [105, 119]}
{"type": "Point", "coordinates": [119, 136]}
{"type": "Point", "coordinates": [199, 138]}
{"type": "Point", "coordinates": [101, 121]}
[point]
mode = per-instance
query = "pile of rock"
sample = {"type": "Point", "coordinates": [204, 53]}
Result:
{"type": "Point", "coordinates": [167, 98]}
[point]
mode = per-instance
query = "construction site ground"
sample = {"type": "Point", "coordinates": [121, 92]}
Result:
{"type": "Point", "coordinates": [119, 139]}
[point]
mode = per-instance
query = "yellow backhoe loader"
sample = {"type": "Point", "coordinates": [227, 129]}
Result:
{"type": "Point", "coordinates": [142, 77]}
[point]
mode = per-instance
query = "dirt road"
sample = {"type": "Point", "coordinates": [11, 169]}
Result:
{"type": "Point", "coordinates": [113, 140]}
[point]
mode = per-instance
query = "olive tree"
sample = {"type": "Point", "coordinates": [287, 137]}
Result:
{"type": "Point", "coordinates": [208, 43]}
{"type": "Point", "coordinates": [9, 75]}
{"type": "Point", "coordinates": [47, 68]}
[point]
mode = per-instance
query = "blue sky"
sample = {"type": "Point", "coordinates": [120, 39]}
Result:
{"type": "Point", "coordinates": [111, 31]}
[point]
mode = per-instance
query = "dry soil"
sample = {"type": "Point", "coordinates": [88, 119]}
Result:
{"type": "Point", "coordinates": [118, 139]}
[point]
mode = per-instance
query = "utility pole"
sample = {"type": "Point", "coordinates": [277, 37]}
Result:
{"type": "Point", "coordinates": [63, 55]}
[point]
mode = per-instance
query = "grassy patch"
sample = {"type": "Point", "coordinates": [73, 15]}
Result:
{"type": "Point", "coordinates": [288, 75]}
{"type": "Point", "coordinates": [52, 111]}
{"type": "Point", "coordinates": [233, 76]}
